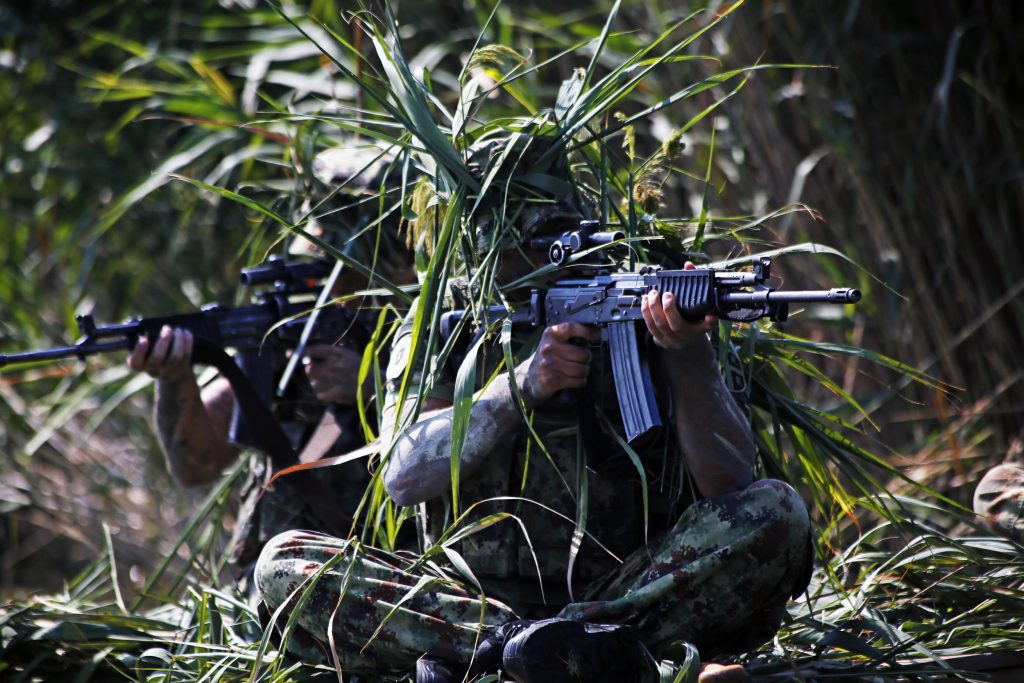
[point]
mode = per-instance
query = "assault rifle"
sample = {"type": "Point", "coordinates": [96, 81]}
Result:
{"type": "Point", "coordinates": [261, 333]}
{"type": "Point", "coordinates": [611, 301]}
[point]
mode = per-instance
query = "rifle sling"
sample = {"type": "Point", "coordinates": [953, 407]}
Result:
{"type": "Point", "coordinates": [257, 414]}
{"type": "Point", "coordinates": [273, 441]}
{"type": "Point", "coordinates": [323, 439]}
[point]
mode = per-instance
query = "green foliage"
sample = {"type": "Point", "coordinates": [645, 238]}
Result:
{"type": "Point", "coordinates": [184, 147]}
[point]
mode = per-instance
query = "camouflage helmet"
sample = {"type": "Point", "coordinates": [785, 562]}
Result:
{"type": "Point", "coordinates": [528, 189]}
{"type": "Point", "coordinates": [345, 210]}
{"type": "Point", "coordinates": [356, 166]}
{"type": "Point", "coordinates": [542, 195]}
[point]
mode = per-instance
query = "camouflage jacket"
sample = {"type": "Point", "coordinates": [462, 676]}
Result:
{"type": "Point", "coordinates": [574, 488]}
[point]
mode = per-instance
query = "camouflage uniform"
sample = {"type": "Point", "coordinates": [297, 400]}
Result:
{"type": "Point", "coordinates": [714, 572]}
{"type": "Point", "coordinates": [999, 500]}
{"type": "Point", "coordinates": [263, 515]}
{"type": "Point", "coordinates": [359, 168]}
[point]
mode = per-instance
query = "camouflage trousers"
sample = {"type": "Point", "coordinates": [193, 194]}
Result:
{"type": "Point", "coordinates": [720, 579]}
{"type": "Point", "coordinates": [999, 500]}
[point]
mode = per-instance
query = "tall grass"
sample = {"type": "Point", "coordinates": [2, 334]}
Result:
{"type": "Point", "coordinates": [910, 151]}
{"type": "Point", "coordinates": [672, 128]}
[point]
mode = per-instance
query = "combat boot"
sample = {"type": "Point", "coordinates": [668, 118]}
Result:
{"type": "Point", "coordinates": [568, 651]}
{"type": "Point", "coordinates": [487, 658]}
{"type": "Point", "coordinates": [433, 670]}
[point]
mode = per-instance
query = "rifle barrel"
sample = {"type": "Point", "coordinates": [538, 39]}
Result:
{"type": "Point", "coordinates": [56, 353]}
{"type": "Point", "coordinates": [837, 295]}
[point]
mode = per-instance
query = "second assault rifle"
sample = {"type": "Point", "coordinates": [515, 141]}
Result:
{"type": "Point", "coordinates": [261, 333]}
{"type": "Point", "coordinates": [611, 301]}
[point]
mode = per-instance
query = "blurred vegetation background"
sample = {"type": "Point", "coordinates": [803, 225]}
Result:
{"type": "Point", "coordinates": [905, 145]}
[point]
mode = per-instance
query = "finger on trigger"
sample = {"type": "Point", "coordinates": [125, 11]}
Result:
{"type": "Point", "coordinates": [570, 330]}
{"type": "Point", "coordinates": [573, 353]}
{"type": "Point", "coordinates": [575, 370]}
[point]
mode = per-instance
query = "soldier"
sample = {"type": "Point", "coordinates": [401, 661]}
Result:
{"type": "Point", "coordinates": [319, 416]}
{"type": "Point", "coordinates": [193, 423]}
{"type": "Point", "coordinates": [591, 560]}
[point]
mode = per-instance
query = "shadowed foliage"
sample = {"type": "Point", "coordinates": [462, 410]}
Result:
{"type": "Point", "coordinates": [149, 152]}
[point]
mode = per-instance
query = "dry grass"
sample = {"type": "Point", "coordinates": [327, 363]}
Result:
{"type": "Point", "coordinates": [909, 149]}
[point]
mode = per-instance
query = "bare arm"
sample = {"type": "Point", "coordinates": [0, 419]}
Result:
{"type": "Point", "coordinates": [713, 432]}
{"type": "Point", "coordinates": [419, 467]}
{"type": "Point", "coordinates": [192, 426]}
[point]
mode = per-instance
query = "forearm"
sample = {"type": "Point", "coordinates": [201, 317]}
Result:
{"type": "Point", "coordinates": [193, 433]}
{"type": "Point", "coordinates": [713, 432]}
{"type": "Point", "coordinates": [419, 466]}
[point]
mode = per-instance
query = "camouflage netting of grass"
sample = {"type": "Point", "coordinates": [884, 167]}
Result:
{"type": "Point", "coordinates": [152, 152]}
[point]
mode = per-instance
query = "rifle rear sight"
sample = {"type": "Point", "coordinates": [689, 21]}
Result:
{"type": "Point", "coordinates": [562, 247]}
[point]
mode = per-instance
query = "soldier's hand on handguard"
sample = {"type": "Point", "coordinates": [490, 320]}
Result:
{"type": "Point", "coordinates": [168, 358]}
{"type": "Point", "coordinates": [666, 324]}
{"type": "Point", "coordinates": [333, 372]}
{"type": "Point", "coordinates": [558, 363]}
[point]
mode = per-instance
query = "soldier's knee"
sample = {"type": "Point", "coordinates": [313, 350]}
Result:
{"type": "Point", "coordinates": [273, 564]}
{"type": "Point", "coordinates": [789, 531]}
{"type": "Point", "coordinates": [288, 559]}
{"type": "Point", "coordinates": [785, 508]}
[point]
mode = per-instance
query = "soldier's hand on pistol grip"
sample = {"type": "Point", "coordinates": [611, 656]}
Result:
{"type": "Point", "coordinates": [333, 373]}
{"type": "Point", "coordinates": [557, 364]}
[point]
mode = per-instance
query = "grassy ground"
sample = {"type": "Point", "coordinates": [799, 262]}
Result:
{"type": "Point", "coordinates": [908, 151]}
